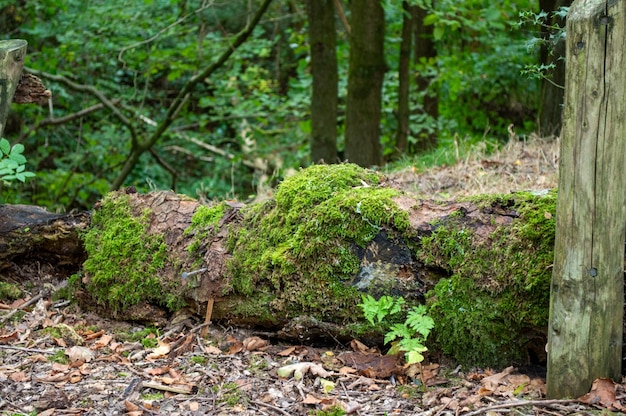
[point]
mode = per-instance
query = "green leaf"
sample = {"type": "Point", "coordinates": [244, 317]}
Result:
{"type": "Point", "coordinates": [5, 146]}
{"type": "Point", "coordinates": [17, 149]}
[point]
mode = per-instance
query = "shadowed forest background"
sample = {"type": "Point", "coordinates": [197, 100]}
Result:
{"type": "Point", "coordinates": [223, 99]}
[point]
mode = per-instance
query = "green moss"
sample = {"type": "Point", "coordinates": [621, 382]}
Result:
{"type": "Point", "coordinates": [499, 286]}
{"type": "Point", "coordinates": [124, 261]}
{"type": "Point", "coordinates": [204, 221]}
{"type": "Point", "coordinates": [9, 291]}
{"type": "Point", "coordinates": [300, 246]}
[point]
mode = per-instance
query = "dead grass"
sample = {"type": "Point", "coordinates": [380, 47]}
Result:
{"type": "Point", "coordinates": [517, 166]}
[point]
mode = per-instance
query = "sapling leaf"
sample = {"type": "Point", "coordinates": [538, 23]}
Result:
{"type": "Point", "coordinates": [5, 146]}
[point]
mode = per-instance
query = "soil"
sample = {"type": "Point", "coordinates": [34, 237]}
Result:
{"type": "Point", "coordinates": [56, 359]}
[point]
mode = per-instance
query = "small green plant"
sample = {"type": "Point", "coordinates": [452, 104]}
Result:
{"type": "Point", "coordinates": [333, 411]}
{"type": "Point", "coordinates": [59, 357]}
{"type": "Point", "coordinates": [12, 162]}
{"type": "Point", "coordinates": [409, 336]}
{"type": "Point", "coordinates": [198, 359]}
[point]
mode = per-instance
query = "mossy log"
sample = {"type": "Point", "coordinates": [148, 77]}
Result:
{"type": "Point", "coordinates": [298, 263]}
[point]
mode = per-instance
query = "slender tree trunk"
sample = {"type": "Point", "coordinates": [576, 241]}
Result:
{"type": "Point", "coordinates": [404, 109]}
{"type": "Point", "coordinates": [552, 91]}
{"type": "Point", "coordinates": [425, 50]}
{"type": "Point", "coordinates": [365, 80]}
{"type": "Point", "coordinates": [323, 42]}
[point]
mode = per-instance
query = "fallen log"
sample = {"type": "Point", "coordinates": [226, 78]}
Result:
{"type": "Point", "coordinates": [298, 263]}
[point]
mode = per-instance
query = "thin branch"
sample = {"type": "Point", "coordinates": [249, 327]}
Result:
{"type": "Point", "coordinates": [204, 6]}
{"type": "Point", "coordinates": [91, 90]}
{"type": "Point", "coordinates": [133, 158]}
{"type": "Point", "coordinates": [520, 403]}
{"type": "Point", "coordinates": [65, 119]}
{"type": "Point", "coordinates": [342, 16]}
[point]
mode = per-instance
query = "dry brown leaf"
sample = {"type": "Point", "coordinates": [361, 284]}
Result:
{"type": "Point", "coordinates": [212, 349]}
{"type": "Point", "coordinates": [492, 382]}
{"type": "Point", "coordinates": [78, 353]}
{"type": "Point", "coordinates": [287, 352]}
{"type": "Point", "coordinates": [310, 399]}
{"type": "Point", "coordinates": [602, 393]}
{"type": "Point", "coordinates": [89, 335]}
{"type": "Point", "coordinates": [19, 377]}
{"type": "Point", "coordinates": [347, 370]}
{"type": "Point", "coordinates": [357, 345]}
{"type": "Point", "coordinates": [131, 407]}
{"type": "Point", "coordinates": [6, 338]}
{"type": "Point", "coordinates": [103, 341]}
{"type": "Point", "coordinates": [159, 352]}
{"type": "Point", "coordinates": [255, 344]}
{"type": "Point", "coordinates": [194, 406]}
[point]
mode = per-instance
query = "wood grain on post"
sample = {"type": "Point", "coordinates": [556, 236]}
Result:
{"type": "Point", "coordinates": [587, 293]}
{"type": "Point", "coordinates": [12, 54]}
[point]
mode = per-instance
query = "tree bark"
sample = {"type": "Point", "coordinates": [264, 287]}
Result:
{"type": "Point", "coordinates": [322, 41]}
{"type": "Point", "coordinates": [553, 88]}
{"type": "Point", "coordinates": [425, 52]}
{"type": "Point", "coordinates": [365, 80]}
{"type": "Point", "coordinates": [404, 109]}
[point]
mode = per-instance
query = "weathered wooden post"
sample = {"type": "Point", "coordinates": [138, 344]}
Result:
{"type": "Point", "coordinates": [585, 326]}
{"type": "Point", "coordinates": [12, 54]}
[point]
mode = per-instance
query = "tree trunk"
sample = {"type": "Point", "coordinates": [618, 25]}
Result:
{"type": "Point", "coordinates": [425, 52]}
{"type": "Point", "coordinates": [298, 263]}
{"type": "Point", "coordinates": [322, 41]}
{"type": "Point", "coordinates": [552, 89]}
{"type": "Point", "coordinates": [365, 80]}
{"type": "Point", "coordinates": [404, 80]}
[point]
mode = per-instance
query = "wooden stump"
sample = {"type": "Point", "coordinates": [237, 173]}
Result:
{"type": "Point", "coordinates": [11, 63]}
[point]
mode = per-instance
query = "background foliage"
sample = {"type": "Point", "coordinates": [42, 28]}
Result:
{"type": "Point", "coordinates": [248, 124]}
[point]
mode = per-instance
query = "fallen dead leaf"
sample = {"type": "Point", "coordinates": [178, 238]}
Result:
{"type": "Point", "coordinates": [78, 353]}
{"type": "Point", "coordinates": [159, 352]}
{"type": "Point", "coordinates": [603, 393]}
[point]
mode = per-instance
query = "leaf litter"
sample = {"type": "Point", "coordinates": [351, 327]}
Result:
{"type": "Point", "coordinates": [58, 360]}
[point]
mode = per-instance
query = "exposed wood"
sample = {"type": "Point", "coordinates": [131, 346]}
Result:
{"type": "Point", "coordinates": [29, 234]}
{"type": "Point", "coordinates": [586, 310]}
{"type": "Point", "coordinates": [12, 54]}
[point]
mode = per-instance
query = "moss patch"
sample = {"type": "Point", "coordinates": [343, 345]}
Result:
{"type": "Point", "coordinates": [500, 285]}
{"type": "Point", "coordinates": [296, 251]}
{"type": "Point", "coordinates": [204, 223]}
{"type": "Point", "coordinates": [124, 261]}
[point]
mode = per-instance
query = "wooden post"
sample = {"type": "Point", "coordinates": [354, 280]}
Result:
{"type": "Point", "coordinates": [587, 294]}
{"type": "Point", "coordinates": [12, 54]}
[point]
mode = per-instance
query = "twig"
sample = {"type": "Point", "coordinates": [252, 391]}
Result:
{"type": "Point", "coordinates": [178, 390]}
{"type": "Point", "coordinates": [269, 406]}
{"type": "Point", "coordinates": [520, 403]}
{"type": "Point", "coordinates": [11, 347]}
{"type": "Point", "coordinates": [137, 151]}
{"type": "Point", "coordinates": [160, 32]}
{"type": "Point", "coordinates": [32, 300]}
{"type": "Point", "coordinates": [342, 16]}
{"type": "Point", "coordinates": [91, 90]}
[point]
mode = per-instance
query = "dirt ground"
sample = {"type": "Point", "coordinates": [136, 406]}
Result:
{"type": "Point", "coordinates": [56, 359]}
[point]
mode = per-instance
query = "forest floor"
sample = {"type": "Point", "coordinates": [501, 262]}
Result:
{"type": "Point", "coordinates": [56, 359]}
